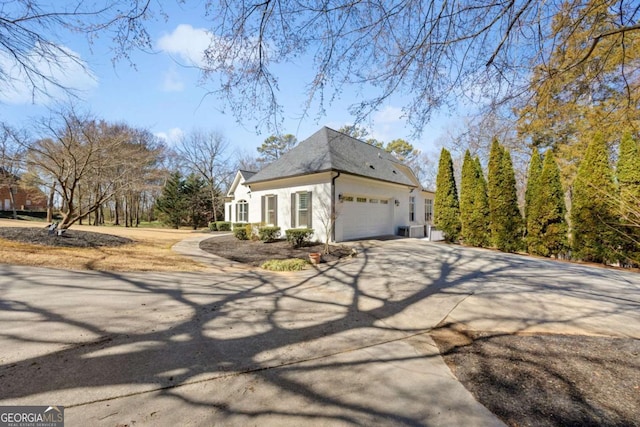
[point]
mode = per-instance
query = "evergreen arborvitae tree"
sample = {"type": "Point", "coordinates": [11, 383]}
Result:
{"type": "Point", "coordinates": [628, 174]}
{"type": "Point", "coordinates": [467, 190]}
{"type": "Point", "coordinates": [446, 205]}
{"type": "Point", "coordinates": [593, 221]}
{"type": "Point", "coordinates": [480, 216]}
{"type": "Point", "coordinates": [532, 212]}
{"type": "Point", "coordinates": [171, 204]}
{"type": "Point", "coordinates": [504, 214]}
{"type": "Point", "coordinates": [533, 182]}
{"type": "Point", "coordinates": [473, 203]}
{"type": "Point", "coordinates": [493, 187]}
{"type": "Point", "coordinates": [548, 217]}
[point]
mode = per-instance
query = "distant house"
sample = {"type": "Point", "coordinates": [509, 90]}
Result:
{"type": "Point", "coordinates": [26, 199]}
{"type": "Point", "coordinates": [333, 179]}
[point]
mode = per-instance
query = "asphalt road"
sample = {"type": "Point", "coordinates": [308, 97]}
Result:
{"type": "Point", "coordinates": [344, 345]}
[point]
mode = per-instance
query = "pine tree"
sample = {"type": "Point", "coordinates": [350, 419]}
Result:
{"type": "Point", "coordinates": [446, 205]}
{"type": "Point", "coordinates": [171, 204]}
{"type": "Point", "coordinates": [593, 221]}
{"type": "Point", "coordinates": [197, 200]}
{"type": "Point", "coordinates": [504, 214]}
{"type": "Point", "coordinates": [628, 174]}
{"type": "Point", "coordinates": [550, 210]}
{"type": "Point", "coordinates": [473, 203]}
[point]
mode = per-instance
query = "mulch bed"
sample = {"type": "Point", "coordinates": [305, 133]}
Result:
{"type": "Point", "coordinates": [256, 252]}
{"type": "Point", "coordinates": [70, 239]}
{"type": "Point", "coordinates": [549, 380]}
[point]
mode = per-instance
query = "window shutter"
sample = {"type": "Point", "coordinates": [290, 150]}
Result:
{"type": "Point", "coordinates": [309, 211]}
{"type": "Point", "coordinates": [294, 210]}
{"type": "Point", "coordinates": [263, 210]}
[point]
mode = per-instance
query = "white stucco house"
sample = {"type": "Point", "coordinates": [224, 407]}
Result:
{"type": "Point", "coordinates": [333, 178]}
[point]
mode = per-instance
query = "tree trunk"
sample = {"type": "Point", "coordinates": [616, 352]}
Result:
{"type": "Point", "coordinates": [116, 215]}
{"type": "Point", "coordinates": [12, 196]}
{"type": "Point", "coordinates": [52, 194]}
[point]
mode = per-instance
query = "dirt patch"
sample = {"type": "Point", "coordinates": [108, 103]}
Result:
{"type": "Point", "coordinates": [256, 252]}
{"type": "Point", "coordinates": [547, 380]}
{"type": "Point", "coordinates": [70, 239]}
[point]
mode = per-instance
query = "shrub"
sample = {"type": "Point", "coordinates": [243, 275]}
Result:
{"type": "Point", "coordinates": [299, 236]}
{"type": "Point", "coordinates": [291, 264]}
{"type": "Point", "coordinates": [236, 225]}
{"type": "Point", "coordinates": [213, 226]}
{"type": "Point", "coordinates": [223, 226]}
{"type": "Point", "coordinates": [268, 234]}
{"type": "Point", "coordinates": [240, 233]}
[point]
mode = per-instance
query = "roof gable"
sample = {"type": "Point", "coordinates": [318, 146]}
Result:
{"type": "Point", "coordinates": [330, 150]}
{"type": "Point", "coordinates": [241, 177]}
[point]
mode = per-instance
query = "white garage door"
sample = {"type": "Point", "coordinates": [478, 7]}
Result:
{"type": "Point", "coordinates": [366, 217]}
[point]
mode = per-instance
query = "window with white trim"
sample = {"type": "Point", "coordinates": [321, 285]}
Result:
{"type": "Point", "coordinates": [242, 211]}
{"type": "Point", "coordinates": [412, 208]}
{"type": "Point", "coordinates": [302, 209]}
{"type": "Point", "coordinates": [428, 210]}
{"type": "Point", "coordinates": [270, 209]}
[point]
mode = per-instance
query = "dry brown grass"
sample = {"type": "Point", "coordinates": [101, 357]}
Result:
{"type": "Point", "coordinates": [151, 251]}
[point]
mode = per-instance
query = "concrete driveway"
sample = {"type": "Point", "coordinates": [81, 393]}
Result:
{"type": "Point", "coordinates": [345, 345]}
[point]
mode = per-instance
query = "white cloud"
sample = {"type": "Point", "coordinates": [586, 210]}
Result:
{"type": "Point", "coordinates": [187, 43]}
{"type": "Point", "coordinates": [172, 81]}
{"type": "Point", "coordinates": [172, 136]}
{"type": "Point", "coordinates": [68, 70]}
{"type": "Point", "coordinates": [388, 124]}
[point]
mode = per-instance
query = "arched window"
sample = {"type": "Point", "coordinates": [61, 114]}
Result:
{"type": "Point", "coordinates": [242, 211]}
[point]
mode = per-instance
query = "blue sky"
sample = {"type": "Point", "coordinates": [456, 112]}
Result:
{"type": "Point", "coordinates": [161, 93]}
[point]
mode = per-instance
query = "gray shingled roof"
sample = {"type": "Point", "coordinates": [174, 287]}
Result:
{"type": "Point", "coordinates": [329, 150]}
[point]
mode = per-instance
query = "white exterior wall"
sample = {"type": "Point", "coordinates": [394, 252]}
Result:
{"type": "Point", "coordinates": [241, 192]}
{"type": "Point", "coordinates": [360, 216]}
{"type": "Point", "coordinates": [318, 184]}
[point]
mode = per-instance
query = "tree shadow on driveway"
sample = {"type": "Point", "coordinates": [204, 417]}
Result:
{"type": "Point", "coordinates": [347, 345]}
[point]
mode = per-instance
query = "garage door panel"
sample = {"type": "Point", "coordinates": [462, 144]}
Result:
{"type": "Point", "coordinates": [366, 219]}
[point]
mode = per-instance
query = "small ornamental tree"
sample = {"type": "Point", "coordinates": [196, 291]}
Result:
{"type": "Point", "coordinates": [593, 221]}
{"type": "Point", "coordinates": [446, 205]}
{"type": "Point", "coordinates": [548, 217]}
{"type": "Point", "coordinates": [628, 174]}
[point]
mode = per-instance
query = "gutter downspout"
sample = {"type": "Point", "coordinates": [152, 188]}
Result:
{"type": "Point", "coordinates": [333, 207]}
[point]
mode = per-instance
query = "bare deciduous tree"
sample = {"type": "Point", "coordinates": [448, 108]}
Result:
{"type": "Point", "coordinates": [205, 154]}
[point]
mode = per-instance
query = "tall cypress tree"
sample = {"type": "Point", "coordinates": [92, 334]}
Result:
{"type": "Point", "coordinates": [593, 221]}
{"type": "Point", "coordinates": [446, 204]}
{"type": "Point", "coordinates": [550, 210]}
{"type": "Point", "coordinates": [504, 214]}
{"type": "Point", "coordinates": [628, 174]}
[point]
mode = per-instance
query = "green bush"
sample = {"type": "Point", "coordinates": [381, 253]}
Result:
{"type": "Point", "coordinates": [268, 234]}
{"type": "Point", "coordinates": [223, 226]}
{"type": "Point", "coordinates": [299, 236]}
{"type": "Point", "coordinates": [292, 264]}
{"type": "Point", "coordinates": [213, 226]}
{"type": "Point", "coordinates": [238, 225]}
{"type": "Point", "coordinates": [240, 233]}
